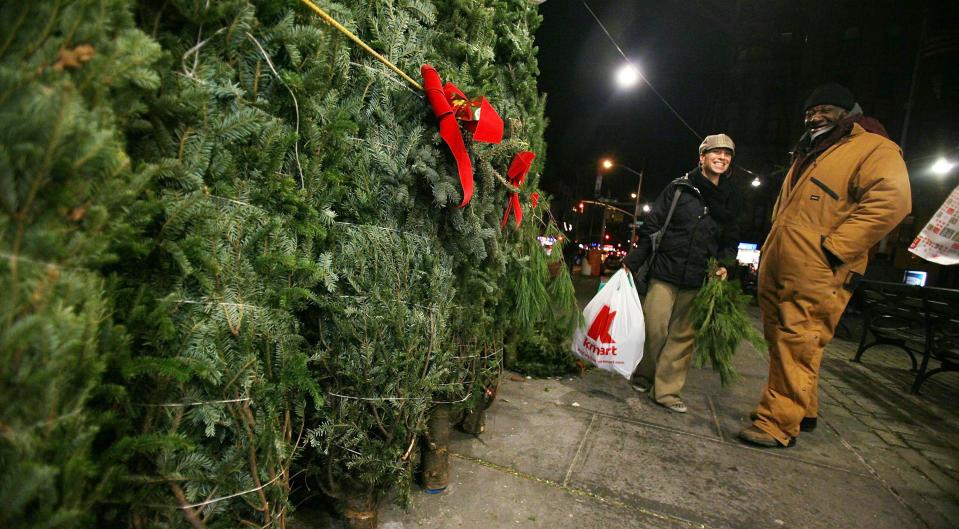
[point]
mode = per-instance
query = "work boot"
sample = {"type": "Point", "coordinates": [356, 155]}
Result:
{"type": "Point", "coordinates": [807, 424]}
{"type": "Point", "coordinates": [753, 435]}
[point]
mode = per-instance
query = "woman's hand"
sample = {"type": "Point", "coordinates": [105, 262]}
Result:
{"type": "Point", "coordinates": [721, 273]}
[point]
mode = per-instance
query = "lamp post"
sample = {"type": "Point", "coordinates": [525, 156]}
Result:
{"type": "Point", "coordinates": [609, 164]}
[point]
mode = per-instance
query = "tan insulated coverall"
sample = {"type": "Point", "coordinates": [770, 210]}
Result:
{"type": "Point", "coordinates": [846, 200]}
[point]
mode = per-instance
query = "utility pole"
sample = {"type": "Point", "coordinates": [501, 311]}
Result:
{"type": "Point", "coordinates": [609, 164]}
{"type": "Point", "coordinates": [639, 191]}
{"type": "Point", "coordinates": [596, 191]}
{"type": "Point", "coordinates": [912, 86]}
{"type": "Point", "coordinates": [605, 207]}
{"type": "Point", "coordinates": [602, 230]}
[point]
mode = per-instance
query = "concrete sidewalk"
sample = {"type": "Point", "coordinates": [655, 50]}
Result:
{"type": "Point", "coordinates": [590, 452]}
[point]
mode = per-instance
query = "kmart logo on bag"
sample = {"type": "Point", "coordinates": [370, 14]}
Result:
{"type": "Point", "coordinates": [599, 333]}
{"type": "Point", "coordinates": [611, 333]}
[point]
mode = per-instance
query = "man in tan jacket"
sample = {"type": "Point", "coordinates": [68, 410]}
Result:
{"type": "Point", "coordinates": [846, 189]}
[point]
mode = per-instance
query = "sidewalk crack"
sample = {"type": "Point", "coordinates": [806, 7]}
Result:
{"type": "Point", "coordinates": [582, 443]}
{"type": "Point", "coordinates": [585, 493]}
{"type": "Point", "coordinates": [875, 474]}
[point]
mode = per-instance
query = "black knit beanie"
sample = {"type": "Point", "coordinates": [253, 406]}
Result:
{"type": "Point", "coordinates": [831, 94]}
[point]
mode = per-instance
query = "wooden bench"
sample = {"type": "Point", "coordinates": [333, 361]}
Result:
{"type": "Point", "coordinates": [923, 321]}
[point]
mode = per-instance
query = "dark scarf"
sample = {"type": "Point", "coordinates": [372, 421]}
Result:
{"type": "Point", "coordinates": [718, 198]}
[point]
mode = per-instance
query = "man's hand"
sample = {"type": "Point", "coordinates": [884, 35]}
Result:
{"type": "Point", "coordinates": [721, 273]}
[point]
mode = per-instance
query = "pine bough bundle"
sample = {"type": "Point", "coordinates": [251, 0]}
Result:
{"type": "Point", "coordinates": [721, 323]}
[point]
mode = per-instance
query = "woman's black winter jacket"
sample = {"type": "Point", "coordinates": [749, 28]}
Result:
{"type": "Point", "coordinates": [703, 225]}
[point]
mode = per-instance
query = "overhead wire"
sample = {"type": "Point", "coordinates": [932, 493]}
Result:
{"type": "Point", "coordinates": [650, 85]}
{"type": "Point", "coordinates": [640, 72]}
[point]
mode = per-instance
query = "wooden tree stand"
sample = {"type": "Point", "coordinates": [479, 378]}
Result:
{"type": "Point", "coordinates": [436, 455]}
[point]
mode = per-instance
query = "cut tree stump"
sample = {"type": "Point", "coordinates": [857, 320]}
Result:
{"type": "Point", "coordinates": [361, 511]}
{"type": "Point", "coordinates": [436, 455]}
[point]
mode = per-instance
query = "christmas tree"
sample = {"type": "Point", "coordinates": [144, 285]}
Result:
{"type": "Point", "coordinates": [72, 75]}
{"type": "Point", "coordinates": [219, 375]}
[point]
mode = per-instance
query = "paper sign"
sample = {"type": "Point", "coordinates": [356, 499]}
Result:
{"type": "Point", "coordinates": [939, 240]}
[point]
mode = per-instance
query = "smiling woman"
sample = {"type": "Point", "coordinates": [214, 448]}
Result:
{"type": "Point", "coordinates": [694, 220]}
{"type": "Point", "coordinates": [715, 163]}
{"type": "Point", "coordinates": [715, 155]}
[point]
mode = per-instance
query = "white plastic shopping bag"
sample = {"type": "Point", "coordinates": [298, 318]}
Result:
{"type": "Point", "coordinates": [614, 333]}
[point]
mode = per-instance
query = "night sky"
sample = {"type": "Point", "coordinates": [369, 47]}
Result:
{"type": "Point", "coordinates": [681, 47]}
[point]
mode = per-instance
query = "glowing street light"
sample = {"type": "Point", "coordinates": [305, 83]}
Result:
{"type": "Point", "coordinates": [627, 76]}
{"type": "Point", "coordinates": [942, 166]}
{"type": "Point", "coordinates": [756, 182]}
{"type": "Point", "coordinates": [609, 164]}
{"type": "Point", "coordinates": [646, 208]}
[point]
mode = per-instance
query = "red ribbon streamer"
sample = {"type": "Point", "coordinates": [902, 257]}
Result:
{"type": "Point", "coordinates": [480, 118]}
{"type": "Point", "coordinates": [517, 174]}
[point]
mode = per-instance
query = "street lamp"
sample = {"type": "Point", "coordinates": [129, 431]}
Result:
{"type": "Point", "coordinates": [646, 208]}
{"type": "Point", "coordinates": [942, 166]}
{"type": "Point", "coordinates": [609, 164]}
{"type": "Point", "coordinates": [756, 182]}
{"type": "Point", "coordinates": [627, 75]}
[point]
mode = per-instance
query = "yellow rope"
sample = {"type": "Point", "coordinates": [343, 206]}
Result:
{"type": "Point", "coordinates": [329, 20]}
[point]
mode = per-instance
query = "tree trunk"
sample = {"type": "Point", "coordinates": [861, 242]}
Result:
{"type": "Point", "coordinates": [360, 511]}
{"type": "Point", "coordinates": [436, 457]}
{"type": "Point", "coordinates": [475, 420]}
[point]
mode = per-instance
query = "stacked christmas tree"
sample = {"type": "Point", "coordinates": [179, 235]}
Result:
{"type": "Point", "coordinates": [235, 253]}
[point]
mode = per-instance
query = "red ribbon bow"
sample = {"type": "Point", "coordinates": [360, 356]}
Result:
{"type": "Point", "coordinates": [477, 115]}
{"type": "Point", "coordinates": [516, 174]}
{"type": "Point", "coordinates": [448, 104]}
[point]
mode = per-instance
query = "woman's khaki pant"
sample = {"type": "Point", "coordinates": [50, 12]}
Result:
{"type": "Point", "coordinates": [669, 340]}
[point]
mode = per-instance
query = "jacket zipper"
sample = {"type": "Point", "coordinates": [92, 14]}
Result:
{"type": "Point", "coordinates": [824, 187]}
{"type": "Point", "coordinates": [689, 248]}
{"type": "Point", "coordinates": [699, 220]}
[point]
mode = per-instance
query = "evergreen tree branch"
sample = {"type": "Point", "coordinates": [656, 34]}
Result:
{"type": "Point", "coordinates": [188, 511]}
